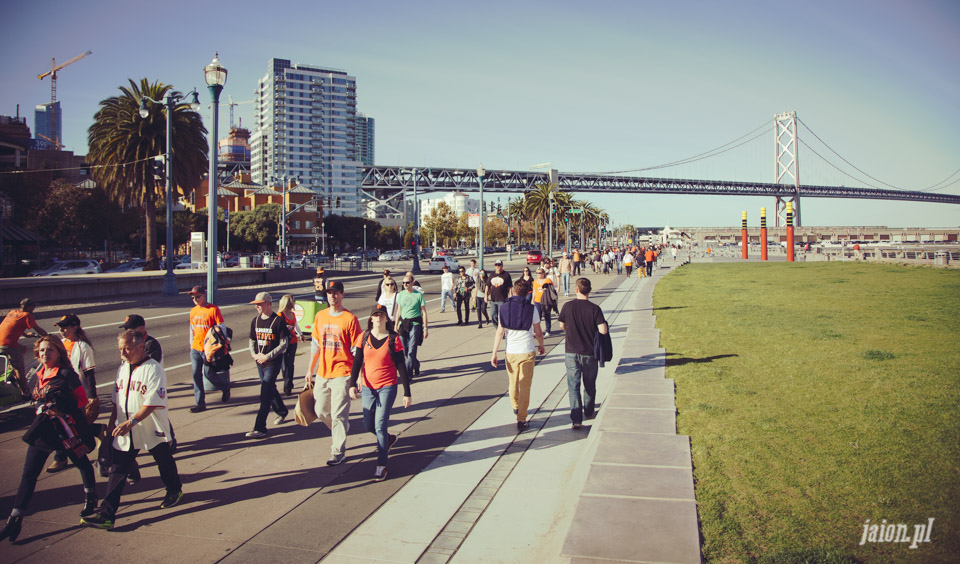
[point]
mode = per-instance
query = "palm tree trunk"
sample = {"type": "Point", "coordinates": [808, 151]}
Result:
{"type": "Point", "coordinates": [150, 211]}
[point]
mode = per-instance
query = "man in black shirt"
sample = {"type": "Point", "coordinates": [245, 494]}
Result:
{"type": "Point", "coordinates": [580, 320]}
{"type": "Point", "coordinates": [268, 341]}
{"type": "Point", "coordinates": [499, 285]}
{"type": "Point", "coordinates": [151, 345]}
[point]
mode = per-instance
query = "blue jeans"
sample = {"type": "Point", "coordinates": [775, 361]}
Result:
{"type": "Point", "coordinates": [200, 370]}
{"type": "Point", "coordinates": [444, 294]}
{"type": "Point", "coordinates": [410, 350]}
{"type": "Point", "coordinates": [376, 416]}
{"type": "Point", "coordinates": [581, 367]}
{"type": "Point", "coordinates": [269, 397]}
{"type": "Point", "coordinates": [289, 359]}
{"type": "Point", "coordinates": [566, 283]}
{"type": "Point", "coordinates": [495, 312]}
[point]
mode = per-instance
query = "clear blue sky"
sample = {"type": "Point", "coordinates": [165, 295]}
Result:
{"type": "Point", "coordinates": [586, 86]}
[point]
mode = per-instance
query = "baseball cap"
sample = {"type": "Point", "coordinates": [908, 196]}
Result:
{"type": "Point", "coordinates": [198, 290]}
{"type": "Point", "coordinates": [27, 302]}
{"type": "Point", "coordinates": [68, 320]}
{"type": "Point", "coordinates": [498, 263]}
{"type": "Point", "coordinates": [377, 310]}
{"type": "Point", "coordinates": [334, 286]}
{"type": "Point", "coordinates": [133, 321]}
{"type": "Point", "coordinates": [263, 298]}
{"type": "Point", "coordinates": [320, 270]}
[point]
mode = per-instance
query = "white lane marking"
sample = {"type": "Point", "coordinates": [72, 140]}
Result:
{"type": "Point", "coordinates": [164, 337]}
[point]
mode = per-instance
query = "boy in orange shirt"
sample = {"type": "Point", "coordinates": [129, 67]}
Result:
{"type": "Point", "coordinates": [203, 316]}
{"type": "Point", "coordinates": [335, 331]}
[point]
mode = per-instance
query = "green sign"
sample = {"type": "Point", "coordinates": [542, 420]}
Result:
{"type": "Point", "coordinates": [575, 210]}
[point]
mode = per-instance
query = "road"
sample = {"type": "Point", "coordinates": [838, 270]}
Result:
{"type": "Point", "coordinates": [240, 493]}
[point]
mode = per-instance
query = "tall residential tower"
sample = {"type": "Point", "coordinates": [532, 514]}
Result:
{"type": "Point", "coordinates": [306, 127]}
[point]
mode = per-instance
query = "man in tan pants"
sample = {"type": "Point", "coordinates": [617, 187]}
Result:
{"type": "Point", "coordinates": [519, 321]}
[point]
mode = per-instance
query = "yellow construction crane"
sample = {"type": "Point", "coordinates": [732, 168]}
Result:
{"type": "Point", "coordinates": [232, 104]}
{"type": "Point", "coordinates": [52, 73]}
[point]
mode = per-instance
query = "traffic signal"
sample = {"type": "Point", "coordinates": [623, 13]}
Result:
{"type": "Point", "coordinates": [566, 219]}
{"type": "Point", "coordinates": [160, 167]}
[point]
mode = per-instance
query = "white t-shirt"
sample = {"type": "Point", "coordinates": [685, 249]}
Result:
{"type": "Point", "coordinates": [146, 385]}
{"type": "Point", "coordinates": [388, 303]}
{"type": "Point", "coordinates": [522, 342]}
{"type": "Point", "coordinates": [628, 259]}
{"type": "Point", "coordinates": [446, 281]}
{"type": "Point", "coordinates": [81, 357]}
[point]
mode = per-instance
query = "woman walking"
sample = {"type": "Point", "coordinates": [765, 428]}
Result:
{"type": "Point", "coordinates": [388, 299]}
{"type": "Point", "coordinates": [296, 335]}
{"type": "Point", "coordinates": [380, 359]}
{"type": "Point", "coordinates": [62, 400]}
{"type": "Point", "coordinates": [482, 295]}
{"type": "Point", "coordinates": [80, 352]}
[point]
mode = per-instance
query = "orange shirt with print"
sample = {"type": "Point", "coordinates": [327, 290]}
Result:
{"type": "Point", "coordinates": [538, 289]}
{"type": "Point", "coordinates": [334, 335]}
{"type": "Point", "coordinates": [202, 318]}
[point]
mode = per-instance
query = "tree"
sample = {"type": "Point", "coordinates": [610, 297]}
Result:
{"type": "Point", "coordinates": [441, 223]}
{"type": "Point", "coordinates": [257, 229]}
{"type": "Point", "coordinates": [122, 145]}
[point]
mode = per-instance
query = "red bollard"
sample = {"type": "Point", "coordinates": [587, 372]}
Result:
{"type": "Point", "coordinates": [744, 238]}
{"type": "Point", "coordinates": [789, 231]}
{"type": "Point", "coordinates": [763, 233]}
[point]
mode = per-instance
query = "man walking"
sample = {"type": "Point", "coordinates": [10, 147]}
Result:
{"type": "Point", "coordinates": [628, 262]}
{"type": "Point", "coordinates": [649, 256]}
{"type": "Point", "coordinates": [412, 324]}
{"type": "Point", "coordinates": [576, 261]}
{"type": "Point", "coordinates": [152, 346]}
{"type": "Point", "coordinates": [336, 331]}
{"type": "Point", "coordinates": [320, 288]}
{"type": "Point", "coordinates": [566, 269]}
{"type": "Point", "coordinates": [519, 321]}
{"type": "Point", "coordinates": [446, 288]}
{"type": "Point", "coordinates": [580, 320]}
{"type": "Point", "coordinates": [203, 316]}
{"type": "Point", "coordinates": [140, 402]}
{"type": "Point", "coordinates": [269, 338]}
{"type": "Point", "coordinates": [499, 285]}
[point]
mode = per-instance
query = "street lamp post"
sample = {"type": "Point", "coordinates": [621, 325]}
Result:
{"type": "Point", "coordinates": [481, 172]}
{"type": "Point", "coordinates": [323, 237]}
{"type": "Point", "coordinates": [364, 241]}
{"type": "Point", "coordinates": [416, 223]}
{"type": "Point", "coordinates": [215, 76]}
{"type": "Point", "coordinates": [171, 101]}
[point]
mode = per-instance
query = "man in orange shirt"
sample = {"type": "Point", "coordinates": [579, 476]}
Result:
{"type": "Point", "coordinates": [336, 332]}
{"type": "Point", "coordinates": [203, 316]}
{"type": "Point", "coordinates": [12, 327]}
{"type": "Point", "coordinates": [649, 256]}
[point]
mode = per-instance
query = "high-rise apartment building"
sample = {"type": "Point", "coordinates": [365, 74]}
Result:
{"type": "Point", "coordinates": [42, 117]}
{"type": "Point", "coordinates": [306, 127]}
{"type": "Point", "coordinates": [365, 138]}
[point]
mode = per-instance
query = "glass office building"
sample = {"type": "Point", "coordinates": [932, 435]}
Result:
{"type": "Point", "coordinates": [42, 117]}
{"type": "Point", "coordinates": [306, 127]}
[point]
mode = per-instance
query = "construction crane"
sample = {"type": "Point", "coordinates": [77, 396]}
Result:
{"type": "Point", "coordinates": [52, 73]}
{"type": "Point", "coordinates": [231, 103]}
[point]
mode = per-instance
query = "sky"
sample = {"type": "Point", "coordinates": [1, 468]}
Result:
{"type": "Point", "coordinates": [596, 86]}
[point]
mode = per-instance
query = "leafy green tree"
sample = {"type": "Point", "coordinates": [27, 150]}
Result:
{"type": "Point", "coordinates": [122, 145]}
{"type": "Point", "coordinates": [257, 229]}
{"type": "Point", "coordinates": [441, 224]}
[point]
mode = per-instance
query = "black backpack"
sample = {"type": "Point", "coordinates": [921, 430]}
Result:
{"type": "Point", "coordinates": [516, 313]}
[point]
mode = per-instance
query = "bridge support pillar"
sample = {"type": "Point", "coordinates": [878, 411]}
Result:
{"type": "Point", "coordinates": [790, 232]}
{"type": "Point", "coordinates": [763, 233]}
{"type": "Point", "coordinates": [744, 237]}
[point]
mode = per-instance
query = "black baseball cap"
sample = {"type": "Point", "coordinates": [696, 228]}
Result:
{"type": "Point", "coordinates": [68, 320]}
{"type": "Point", "coordinates": [133, 321]}
{"type": "Point", "coordinates": [334, 286]}
{"type": "Point", "coordinates": [198, 290]}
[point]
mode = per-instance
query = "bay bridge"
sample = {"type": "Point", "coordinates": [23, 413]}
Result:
{"type": "Point", "coordinates": [389, 185]}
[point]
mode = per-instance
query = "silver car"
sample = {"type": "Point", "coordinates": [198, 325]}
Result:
{"type": "Point", "coordinates": [437, 264]}
{"type": "Point", "coordinates": [69, 268]}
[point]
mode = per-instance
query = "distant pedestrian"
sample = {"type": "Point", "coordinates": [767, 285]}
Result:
{"type": "Point", "coordinates": [203, 316]}
{"type": "Point", "coordinates": [140, 404]}
{"type": "Point", "coordinates": [319, 288]}
{"type": "Point", "coordinates": [519, 322]}
{"type": "Point", "coordinates": [287, 303]}
{"type": "Point", "coordinates": [336, 331]}
{"type": "Point", "coordinates": [60, 395]}
{"type": "Point", "coordinates": [649, 256]}
{"type": "Point", "coordinates": [566, 269]}
{"type": "Point", "coordinates": [80, 352]}
{"type": "Point", "coordinates": [544, 297]}
{"type": "Point", "coordinates": [380, 359]}
{"type": "Point", "coordinates": [446, 288]}
{"type": "Point", "coordinates": [499, 288]}
{"type": "Point", "coordinates": [463, 290]}
{"type": "Point", "coordinates": [388, 300]}
{"type": "Point", "coordinates": [269, 339]}
{"type": "Point", "coordinates": [577, 257]}
{"type": "Point", "coordinates": [628, 262]}
{"type": "Point", "coordinates": [14, 324]}
{"type": "Point", "coordinates": [411, 324]}
{"type": "Point", "coordinates": [483, 292]}
{"type": "Point", "coordinates": [673, 251]}
{"type": "Point", "coordinates": [386, 276]}
{"type": "Point", "coordinates": [581, 320]}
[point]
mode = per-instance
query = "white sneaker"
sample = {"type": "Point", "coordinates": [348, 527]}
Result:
{"type": "Point", "coordinates": [380, 473]}
{"type": "Point", "coordinates": [547, 334]}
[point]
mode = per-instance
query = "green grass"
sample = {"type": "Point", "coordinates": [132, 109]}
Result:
{"type": "Point", "coordinates": [817, 396]}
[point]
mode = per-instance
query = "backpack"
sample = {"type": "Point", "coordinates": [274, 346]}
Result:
{"type": "Point", "coordinates": [516, 313]}
{"type": "Point", "coordinates": [391, 341]}
{"type": "Point", "coordinates": [216, 347]}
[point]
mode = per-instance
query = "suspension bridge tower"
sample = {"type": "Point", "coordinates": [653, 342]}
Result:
{"type": "Point", "coordinates": [787, 164]}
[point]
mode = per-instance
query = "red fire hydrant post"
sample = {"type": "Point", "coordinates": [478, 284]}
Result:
{"type": "Point", "coordinates": [763, 233]}
{"type": "Point", "coordinates": [744, 238]}
{"type": "Point", "coordinates": [789, 231]}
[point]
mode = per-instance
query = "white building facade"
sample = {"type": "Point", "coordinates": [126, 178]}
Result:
{"type": "Point", "coordinates": [459, 202]}
{"type": "Point", "coordinates": [306, 127]}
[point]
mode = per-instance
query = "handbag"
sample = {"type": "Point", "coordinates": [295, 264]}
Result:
{"type": "Point", "coordinates": [304, 413]}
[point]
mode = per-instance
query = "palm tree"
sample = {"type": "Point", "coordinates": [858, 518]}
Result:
{"type": "Point", "coordinates": [517, 208]}
{"type": "Point", "coordinates": [122, 145]}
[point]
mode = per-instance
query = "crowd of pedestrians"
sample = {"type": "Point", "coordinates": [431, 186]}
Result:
{"type": "Point", "coordinates": [346, 362]}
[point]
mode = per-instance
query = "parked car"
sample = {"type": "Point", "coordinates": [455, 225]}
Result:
{"type": "Point", "coordinates": [391, 255]}
{"type": "Point", "coordinates": [183, 264]}
{"type": "Point", "coordinates": [436, 264]}
{"type": "Point", "coordinates": [129, 266]}
{"type": "Point", "coordinates": [371, 254]}
{"type": "Point", "coordinates": [444, 253]}
{"type": "Point", "coordinates": [534, 256]}
{"type": "Point", "coordinates": [69, 268]}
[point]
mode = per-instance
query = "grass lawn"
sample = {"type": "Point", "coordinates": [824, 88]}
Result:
{"type": "Point", "coordinates": [817, 396]}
